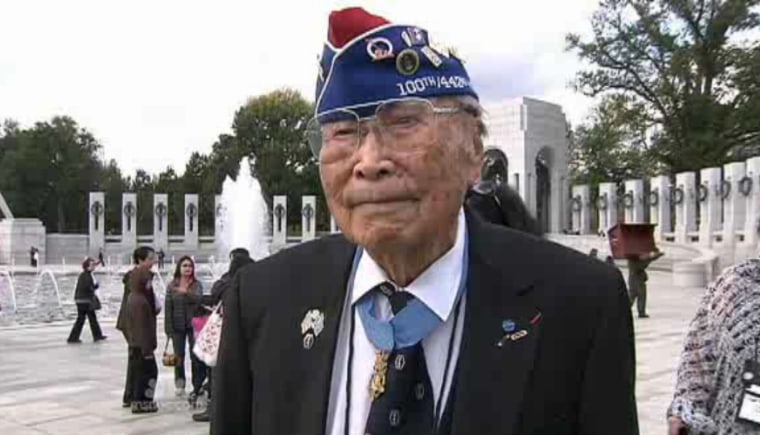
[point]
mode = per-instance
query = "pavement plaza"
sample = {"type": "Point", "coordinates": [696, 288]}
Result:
{"type": "Point", "coordinates": [49, 387]}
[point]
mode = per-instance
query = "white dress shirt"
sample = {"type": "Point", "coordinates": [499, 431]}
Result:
{"type": "Point", "coordinates": [437, 288]}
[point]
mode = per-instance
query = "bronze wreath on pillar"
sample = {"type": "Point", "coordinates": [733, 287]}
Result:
{"type": "Point", "coordinates": [702, 192]}
{"type": "Point", "coordinates": [725, 189]}
{"type": "Point", "coordinates": [745, 185]}
{"type": "Point", "coordinates": [192, 212]}
{"type": "Point", "coordinates": [602, 202]}
{"type": "Point", "coordinates": [653, 198]}
{"type": "Point", "coordinates": [577, 203]}
{"type": "Point", "coordinates": [97, 210]}
{"type": "Point", "coordinates": [628, 200]}
{"type": "Point", "coordinates": [676, 195]}
{"type": "Point", "coordinates": [160, 214]}
{"type": "Point", "coordinates": [129, 212]}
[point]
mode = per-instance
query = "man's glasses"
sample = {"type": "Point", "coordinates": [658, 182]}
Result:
{"type": "Point", "coordinates": [396, 123]}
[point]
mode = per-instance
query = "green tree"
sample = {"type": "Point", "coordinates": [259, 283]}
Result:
{"type": "Point", "coordinates": [270, 129]}
{"type": "Point", "coordinates": [46, 172]}
{"type": "Point", "coordinates": [612, 144]}
{"type": "Point", "coordinates": [684, 62]}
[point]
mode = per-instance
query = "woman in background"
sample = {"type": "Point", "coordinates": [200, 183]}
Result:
{"type": "Point", "coordinates": [87, 303]}
{"type": "Point", "coordinates": [720, 359]}
{"type": "Point", "coordinates": [183, 296]}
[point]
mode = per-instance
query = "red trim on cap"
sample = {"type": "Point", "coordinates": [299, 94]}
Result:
{"type": "Point", "coordinates": [347, 24]}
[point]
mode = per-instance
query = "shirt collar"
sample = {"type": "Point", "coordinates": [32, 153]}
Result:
{"type": "Point", "coordinates": [436, 287]}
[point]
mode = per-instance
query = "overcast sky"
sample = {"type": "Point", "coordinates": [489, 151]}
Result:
{"type": "Point", "coordinates": [157, 80]}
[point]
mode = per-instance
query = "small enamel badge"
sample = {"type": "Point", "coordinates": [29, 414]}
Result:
{"type": "Point", "coordinates": [311, 326]}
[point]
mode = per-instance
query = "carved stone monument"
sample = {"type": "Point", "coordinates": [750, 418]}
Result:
{"type": "Point", "coordinates": [308, 217]}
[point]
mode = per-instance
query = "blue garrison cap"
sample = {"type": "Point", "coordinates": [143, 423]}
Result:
{"type": "Point", "coordinates": [367, 61]}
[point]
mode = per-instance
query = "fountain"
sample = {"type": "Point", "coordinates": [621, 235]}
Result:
{"type": "Point", "coordinates": [36, 291]}
{"type": "Point", "coordinates": [244, 217]}
{"type": "Point", "coordinates": [10, 288]}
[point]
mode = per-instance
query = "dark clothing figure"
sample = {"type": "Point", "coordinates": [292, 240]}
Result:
{"type": "Point", "coordinates": [637, 280]}
{"type": "Point", "coordinates": [34, 257]}
{"type": "Point", "coordinates": [87, 303]}
{"type": "Point", "coordinates": [180, 308]}
{"type": "Point", "coordinates": [161, 256]}
{"type": "Point", "coordinates": [572, 372]}
{"type": "Point", "coordinates": [499, 204]}
{"type": "Point", "coordinates": [101, 261]}
{"type": "Point", "coordinates": [140, 330]}
{"type": "Point", "coordinates": [121, 325]}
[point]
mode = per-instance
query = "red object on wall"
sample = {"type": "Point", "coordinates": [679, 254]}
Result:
{"type": "Point", "coordinates": [631, 239]}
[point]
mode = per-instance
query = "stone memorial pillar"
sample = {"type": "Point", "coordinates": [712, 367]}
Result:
{"type": "Point", "coordinates": [658, 200]}
{"type": "Point", "coordinates": [218, 212]}
{"type": "Point", "coordinates": [129, 220]}
{"type": "Point", "coordinates": [749, 186]}
{"type": "Point", "coordinates": [191, 221]}
{"type": "Point", "coordinates": [633, 201]}
{"type": "Point", "coordinates": [161, 221]}
{"type": "Point", "coordinates": [710, 203]}
{"type": "Point", "coordinates": [581, 208]}
{"type": "Point", "coordinates": [97, 214]}
{"type": "Point", "coordinates": [279, 220]}
{"type": "Point", "coordinates": [308, 217]}
{"type": "Point", "coordinates": [685, 200]}
{"type": "Point", "coordinates": [734, 202]}
{"type": "Point", "coordinates": [606, 203]}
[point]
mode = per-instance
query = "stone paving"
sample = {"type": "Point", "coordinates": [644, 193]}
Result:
{"type": "Point", "coordinates": [49, 387]}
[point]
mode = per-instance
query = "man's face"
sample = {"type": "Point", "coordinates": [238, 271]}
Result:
{"type": "Point", "coordinates": [149, 261]}
{"type": "Point", "coordinates": [405, 188]}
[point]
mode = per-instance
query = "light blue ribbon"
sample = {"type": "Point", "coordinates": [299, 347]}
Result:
{"type": "Point", "coordinates": [410, 325]}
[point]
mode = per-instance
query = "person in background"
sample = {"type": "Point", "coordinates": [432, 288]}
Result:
{"type": "Point", "coordinates": [140, 319]}
{"type": "Point", "coordinates": [609, 260]}
{"type": "Point", "coordinates": [594, 253]}
{"type": "Point", "coordinates": [143, 258]}
{"type": "Point", "coordinates": [87, 303]}
{"type": "Point", "coordinates": [239, 257]}
{"type": "Point", "coordinates": [32, 258]}
{"type": "Point", "coordinates": [101, 260]}
{"type": "Point", "coordinates": [499, 204]}
{"type": "Point", "coordinates": [719, 364]}
{"type": "Point", "coordinates": [183, 296]}
{"type": "Point", "coordinates": [161, 259]}
{"type": "Point", "coordinates": [637, 280]}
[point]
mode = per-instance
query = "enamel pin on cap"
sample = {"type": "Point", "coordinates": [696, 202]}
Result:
{"type": "Point", "coordinates": [311, 326]}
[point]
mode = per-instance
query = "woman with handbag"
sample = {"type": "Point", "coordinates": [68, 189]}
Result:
{"type": "Point", "coordinates": [87, 303]}
{"type": "Point", "coordinates": [183, 295]}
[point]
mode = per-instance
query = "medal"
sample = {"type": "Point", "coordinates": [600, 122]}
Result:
{"type": "Point", "coordinates": [379, 375]}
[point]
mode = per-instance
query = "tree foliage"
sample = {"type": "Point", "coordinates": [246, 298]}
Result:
{"type": "Point", "coordinates": [47, 171]}
{"type": "Point", "coordinates": [612, 144]}
{"type": "Point", "coordinates": [689, 66]}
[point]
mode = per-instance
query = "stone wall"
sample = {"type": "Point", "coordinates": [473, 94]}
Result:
{"type": "Point", "coordinates": [68, 248]}
{"type": "Point", "coordinates": [17, 236]}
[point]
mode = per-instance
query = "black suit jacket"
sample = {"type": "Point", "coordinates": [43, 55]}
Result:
{"type": "Point", "coordinates": [573, 373]}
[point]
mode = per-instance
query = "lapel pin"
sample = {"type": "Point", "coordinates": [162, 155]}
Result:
{"type": "Point", "coordinates": [311, 326]}
{"type": "Point", "coordinates": [508, 325]}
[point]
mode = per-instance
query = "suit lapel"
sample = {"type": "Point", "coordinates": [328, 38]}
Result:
{"type": "Point", "coordinates": [494, 370]}
{"type": "Point", "coordinates": [315, 365]}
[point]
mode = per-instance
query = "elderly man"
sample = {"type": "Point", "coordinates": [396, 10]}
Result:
{"type": "Point", "coordinates": [419, 318]}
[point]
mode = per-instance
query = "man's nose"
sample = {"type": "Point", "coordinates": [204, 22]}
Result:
{"type": "Point", "coordinates": [374, 163]}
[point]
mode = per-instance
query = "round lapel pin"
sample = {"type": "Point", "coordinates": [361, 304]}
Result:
{"type": "Point", "coordinates": [407, 62]}
{"type": "Point", "coordinates": [308, 341]}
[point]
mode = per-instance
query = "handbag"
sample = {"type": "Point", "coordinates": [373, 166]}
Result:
{"type": "Point", "coordinates": [169, 359]}
{"type": "Point", "coordinates": [96, 305]}
{"type": "Point", "coordinates": [198, 322]}
{"type": "Point", "coordinates": [206, 346]}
